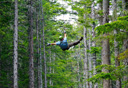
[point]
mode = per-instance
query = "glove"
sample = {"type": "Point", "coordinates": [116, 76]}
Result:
{"type": "Point", "coordinates": [48, 44]}
{"type": "Point", "coordinates": [64, 31]}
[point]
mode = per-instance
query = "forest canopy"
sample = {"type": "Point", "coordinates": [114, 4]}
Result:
{"type": "Point", "coordinates": [100, 60]}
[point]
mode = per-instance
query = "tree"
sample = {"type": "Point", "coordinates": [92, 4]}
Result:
{"type": "Point", "coordinates": [125, 41]}
{"type": "Point", "coordinates": [93, 41]}
{"type": "Point", "coordinates": [105, 44]}
{"type": "Point", "coordinates": [117, 62]}
{"type": "Point", "coordinates": [50, 68]}
{"type": "Point", "coordinates": [39, 22]}
{"type": "Point", "coordinates": [66, 69]}
{"type": "Point", "coordinates": [44, 56]}
{"type": "Point", "coordinates": [15, 69]}
{"type": "Point", "coordinates": [89, 58]}
{"type": "Point", "coordinates": [85, 85]}
{"type": "Point", "coordinates": [38, 45]}
{"type": "Point", "coordinates": [30, 31]}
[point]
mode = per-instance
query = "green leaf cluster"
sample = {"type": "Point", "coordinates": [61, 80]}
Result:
{"type": "Point", "coordinates": [121, 23]}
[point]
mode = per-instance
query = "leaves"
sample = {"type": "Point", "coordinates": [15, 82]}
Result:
{"type": "Point", "coordinates": [109, 27]}
{"type": "Point", "coordinates": [123, 55]}
{"type": "Point", "coordinates": [66, 66]}
{"type": "Point", "coordinates": [114, 73]}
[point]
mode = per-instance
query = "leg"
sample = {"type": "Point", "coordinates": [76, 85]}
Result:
{"type": "Point", "coordinates": [74, 43]}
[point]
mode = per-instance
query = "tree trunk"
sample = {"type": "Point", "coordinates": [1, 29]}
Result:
{"type": "Point", "coordinates": [45, 65]}
{"type": "Point", "coordinates": [90, 59]}
{"type": "Point", "coordinates": [105, 44]}
{"type": "Point", "coordinates": [31, 64]}
{"type": "Point", "coordinates": [37, 51]}
{"type": "Point", "coordinates": [40, 80]}
{"type": "Point", "coordinates": [117, 63]}
{"type": "Point", "coordinates": [125, 41]}
{"type": "Point", "coordinates": [40, 83]}
{"type": "Point", "coordinates": [100, 7]}
{"type": "Point", "coordinates": [15, 69]}
{"type": "Point", "coordinates": [93, 42]}
{"type": "Point", "coordinates": [78, 66]}
{"type": "Point", "coordinates": [85, 75]}
{"type": "Point", "coordinates": [78, 72]}
{"type": "Point", "coordinates": [125, 62]}
{"type": "Point", "coordinates": [50, 69]}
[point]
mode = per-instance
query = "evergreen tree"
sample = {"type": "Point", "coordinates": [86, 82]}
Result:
{"type": "Point", "coordinates": [50, 67]}
{"type": "Point", "coordinates": [105, 44]}
{"type": "Point", "coordinates": [15, 72]}
{"type": "Point", "coordinates": [31, 58]}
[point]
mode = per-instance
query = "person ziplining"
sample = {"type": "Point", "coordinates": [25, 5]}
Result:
{"type": "Point", "coordinates": [63, 42]}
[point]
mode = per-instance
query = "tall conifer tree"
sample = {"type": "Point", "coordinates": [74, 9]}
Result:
{"type": "Point", "coordinates": [85, 85]}
{"type": "Point", "coordinates": [116, 48]}
{"type": "Point", "coordinates": [125, 41]}
{"type": "Point", "coordinates": [30, 31]}
{"type": "Point", "coordinates": [15, 69]}
{"type": "Point", "coordinates": [93, 41]}
{"type": "Point", "coordinates": [105, 44]}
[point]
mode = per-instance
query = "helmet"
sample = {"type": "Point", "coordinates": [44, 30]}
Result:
{"type": "Point", "coordinates": [60, 37]}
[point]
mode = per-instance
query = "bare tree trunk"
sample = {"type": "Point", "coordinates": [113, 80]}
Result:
{"type": "Point", "coordinates": [105, 60]}
{"type": "Point", "coordinates": [50, 81]}
{"type": "Point", "coordinates": [37, 52]}
{"type": "Point", "coordinates": [31, 62]}
{"type": "Point", "coordinates": [40, 61]}
{"type": "Point", "coordinates": [125, 62]}
{"type": "Point", "coordinates": [15, 69]}
{"type": "Point", "coordinates": [90, 59]}
{"type": "Point", "coordinates": [53, 71]}
{"type": "Point", "coordinates": [105, 44]}
{"type": "Point", "coordinates": [117, 62]}
{"type": "Point", "coordinates": [125, 41]}
{"type": "Point", "coordinates": [78, 66]}
{"type": "Point", "coordinates": [93, 42]}
{"type": "Point", "coordinates": [78, 72]}
{"type": "Point", "coordinates": [85, 75]}
{"type": "Point", "coordinates": [40, 68]}
{"type": "Point", "coordinates": [45, 65]}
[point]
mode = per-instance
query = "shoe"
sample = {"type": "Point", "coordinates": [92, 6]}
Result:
{"type": "Point", "coordinates": [81, 38]}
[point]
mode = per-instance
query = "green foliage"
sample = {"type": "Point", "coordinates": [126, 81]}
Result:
{"type": "Point", "coordinates": [6, 43]}
{"type": "Point", "coordinates": [123, 18]}
{"type": "Point", "coordinates": [66, 66]}
{"type": "Point", "coordinates": [94, 50]}
{"type": "Point", "coordinates": [99, 1]}
{"type": "Point", "coordinates": [114, 73]}
{"type": "Point", "coordinates": [123, 55]}
{"type": "Point", "coordinates": [109, 27]}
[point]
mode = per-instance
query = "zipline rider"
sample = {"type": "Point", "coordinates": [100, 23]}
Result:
{"type": "Point", "coordinates": [63, 42]}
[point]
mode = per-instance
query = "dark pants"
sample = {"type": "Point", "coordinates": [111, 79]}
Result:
{"type": "Point", "coordinates": [73, 44]}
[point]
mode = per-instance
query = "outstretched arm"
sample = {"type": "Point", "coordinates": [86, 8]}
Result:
{"type": "Point", "coordinates": [65, 35]}
{"type": "Point", "coordinates": [55, 43]}
{"type": "Point", "coordinates": [51, 44]}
